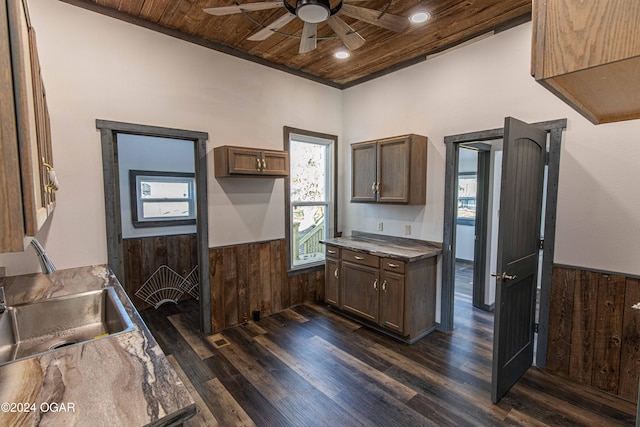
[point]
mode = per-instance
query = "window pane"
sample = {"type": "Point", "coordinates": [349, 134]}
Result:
{"type": "Point", "coordinates": [164, 190]}
{"type": "Point", "coordinates": [309, 227]}
{"type": "Point", "coordinates": [308, 171]}
{"type": "Point", "coordinates": [165, 209]}
{"type": "Point", "coordinates": [467, 188]}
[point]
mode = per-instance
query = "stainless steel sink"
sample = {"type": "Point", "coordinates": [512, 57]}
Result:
{"type": "Point", "coordinates": [40, 327]}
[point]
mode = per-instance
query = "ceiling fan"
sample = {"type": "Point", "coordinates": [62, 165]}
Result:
{"type": "Point", "coordinates": [313, 12]}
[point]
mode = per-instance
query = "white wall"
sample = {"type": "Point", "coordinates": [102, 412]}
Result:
{"type": "Point", "coordinates": [473, 89]}
{"type": "Point", "coordinates": [146, 153]}
{"type": "Point", "coordinates": [95, 67]}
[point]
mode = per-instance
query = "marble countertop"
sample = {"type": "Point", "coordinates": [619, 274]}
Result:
{"type": "Point", "coordinates": [387, 246]}
{"type": "Point", "coordinates": [122, 380]}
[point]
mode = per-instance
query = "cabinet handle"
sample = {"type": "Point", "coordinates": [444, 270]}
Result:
{"type": "Point", "coordinates": [335, 273]}
{"type": "Point", "coordinates": [330, 251]}
{"type": "Point", "coordinates": [264, 164]}
{"type": "Point", "coordinates": [384, 285]}
{"type": "Point", "coordinates": [375, 284]}
{"type": "Point", "coordinates": [393, 265]}
{"type": "Point", "coordinates": [373, 187]}
{"type": "Point", "coordinates": [377, 187]}
{"type": "Point", "coordinates": [258, 160]}
{"type": "Point", "coordinates": [359, 258]}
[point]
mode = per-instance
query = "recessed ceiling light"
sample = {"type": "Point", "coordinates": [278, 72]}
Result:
{"type": "Point", "coordinates": [342, 54]}
{"type": "Point", "coordinates": [419, 17]}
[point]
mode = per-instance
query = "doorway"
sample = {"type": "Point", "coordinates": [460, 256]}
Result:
{"type": "Point", "coordinates": [478, 193]}
{"type": "Point", "coordinates": [111, 132]}
{"type": "Point", "coordinates": [454, 144]}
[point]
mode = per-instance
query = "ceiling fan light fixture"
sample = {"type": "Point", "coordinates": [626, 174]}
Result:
{"type": "Point", "coordinates": [342, 54]}
{"type": "Point", "coordinates": [313, 11]}
{"type": "Point", "coordinates": [419, 17]}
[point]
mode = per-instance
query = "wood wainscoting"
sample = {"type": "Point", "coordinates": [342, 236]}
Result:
{"type": "Point", "coordinates": [143, 256]}
{"type": "Point", "coordinates": [594, 334]}
{"type": "Point", "coordinates": [254, 276]}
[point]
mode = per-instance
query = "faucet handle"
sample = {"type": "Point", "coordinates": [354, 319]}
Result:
{"type": "Point", "coordinates": [3, 302]}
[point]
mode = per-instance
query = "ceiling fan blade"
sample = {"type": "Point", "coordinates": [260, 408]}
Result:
{"type": "Point", "coordinates": [249, 7]}
{"type": "Point", "coordinates": [389, 21]}
{"type": "Point", "coordinates": [264, 33]}
{"type": "Point", "coordinates": [349, 37]}
{"type": "Point", "coordinates": [308, 38]}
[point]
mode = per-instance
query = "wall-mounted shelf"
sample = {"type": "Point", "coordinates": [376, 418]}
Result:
{"type": "Point", "coordinates": [250, 162]}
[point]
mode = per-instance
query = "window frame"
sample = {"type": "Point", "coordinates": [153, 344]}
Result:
{"type": "Point", "coordinates": [136, 200]}
{"type": "Point", "coordinates": [331, 187]}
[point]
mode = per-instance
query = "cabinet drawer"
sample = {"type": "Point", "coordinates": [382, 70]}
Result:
{"type": "Point", "coordinates": [361, 258]}
{"type": "Point", "coordinates": [392, 265]}
{"type": "Point", "coordinates": [333, 252]}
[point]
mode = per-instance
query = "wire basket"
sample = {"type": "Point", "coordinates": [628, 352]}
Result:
{"type": "Point", "coordinates": [191, 284]}
{"type": "Point", "coordinates": [164, 285]}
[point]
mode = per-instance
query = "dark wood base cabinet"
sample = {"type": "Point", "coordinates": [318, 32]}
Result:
{"type": "Point", "coordinates": [392, 296]}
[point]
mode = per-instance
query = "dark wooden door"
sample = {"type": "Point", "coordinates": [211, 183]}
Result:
{"type": "Point", "coordinates": [360, 290]}
{"type": "Point", "coordinates": [332, 275]}
{"type": "Point", "coordinates": [523, 161]}
{"type": "Point", "coordinates": [392, 301]}
{"type": "Point", "coordinates": [393, 171]}
{"type": "Point", "coordinates": [363, 172]}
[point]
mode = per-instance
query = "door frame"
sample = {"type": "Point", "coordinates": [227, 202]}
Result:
{"type": "Point", "coordinates": [108, 135]}
{"type": "Point", "coordinates": [554, 128]}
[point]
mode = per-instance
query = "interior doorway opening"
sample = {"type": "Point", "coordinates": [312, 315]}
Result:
{"type": "Point", "coordinates": [480, 142]}
{"type": "Point", "coordinates": [151, 211]}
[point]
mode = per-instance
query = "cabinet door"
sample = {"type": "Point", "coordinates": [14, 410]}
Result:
{"type": "Point", "coordinates": [363, 172]}
{"type": "Point", "coordinates": [332, 281]}
{"type": "Point", "coordinates": [275, 163]}
{"type": "Point", "coordinates": [360, 286]}
{"type": "Point", "coordinates": [393, 170]}
{"type": "Point", "coordinates": [244, 161]}
{"type": "Point", "coordinates": [392, 301]}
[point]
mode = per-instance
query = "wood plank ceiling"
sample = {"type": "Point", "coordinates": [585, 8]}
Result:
{"type": "Point", "coordinates": [453, 22]}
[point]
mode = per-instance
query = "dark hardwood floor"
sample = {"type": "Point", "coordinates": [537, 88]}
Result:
{"type": "Point", "coordinates": [464, 278]}
{"type": "Point", "coordinates": [308, 366]}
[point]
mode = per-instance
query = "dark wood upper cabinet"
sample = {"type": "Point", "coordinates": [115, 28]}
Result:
{"type": "Point", "coordinates": [588, 54]}
{"type": "Point", "coordinates": [25, 136]}
{"type": "Point", "coordinates": [250, 162]}
{"type": "Point", "coordinates": [391, 170]}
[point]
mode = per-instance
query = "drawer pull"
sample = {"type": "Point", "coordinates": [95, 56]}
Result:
{"type": "Point", "coordinates": [258, 160]}
{"type": "Point", "coordinates": [330, 251]}
{"type": "Point", "coordinates": [384, 285]}
{"type": "Point", "coordinates": [335, 273]}
{"type": "Point", "coordinates": [375, 284]}
{"type": "Point", "coordinates": [264, 164]}
{"type": "Point", "coordinates": [359, 258]}
{"type": "Point", "coordinates": [393, 265]}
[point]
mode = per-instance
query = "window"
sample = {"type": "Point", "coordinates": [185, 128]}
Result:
{"type": "Point", "coordinates": [310, 196]}
{"type": "Point", "coordinates": [161, 199]}
{"type": "Point", "coordinates": [467, 189]}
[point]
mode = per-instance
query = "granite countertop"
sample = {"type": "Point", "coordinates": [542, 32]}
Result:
{"type": "Point", "coordinates": [387, 246]}
{"type": "Point", "coordinates": [120, 380]}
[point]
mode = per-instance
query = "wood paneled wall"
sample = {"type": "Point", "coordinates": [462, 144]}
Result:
{"type": "Point", "coordinates": [594, 334]}
{"type": "Point", "coordinates": [142, 256]}
{"type": "Point", "coordinates": [254, 276]}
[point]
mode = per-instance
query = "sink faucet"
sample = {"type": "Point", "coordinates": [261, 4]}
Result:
{"type": "Point", "coordinates": [3, 302]}
{"type": "Point", "coordinates": [45, 263]}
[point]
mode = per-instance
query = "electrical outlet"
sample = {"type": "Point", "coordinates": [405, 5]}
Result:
{"type": "Point", "coordinates": [380, 226]}
{"type": "Point", "coordinates": [407, 230]}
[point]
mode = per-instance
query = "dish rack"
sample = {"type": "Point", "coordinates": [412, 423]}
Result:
{"type": "Point", "coordinates": [164, 285]}
{"type": "Point", "coordinates": [192, 282]}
